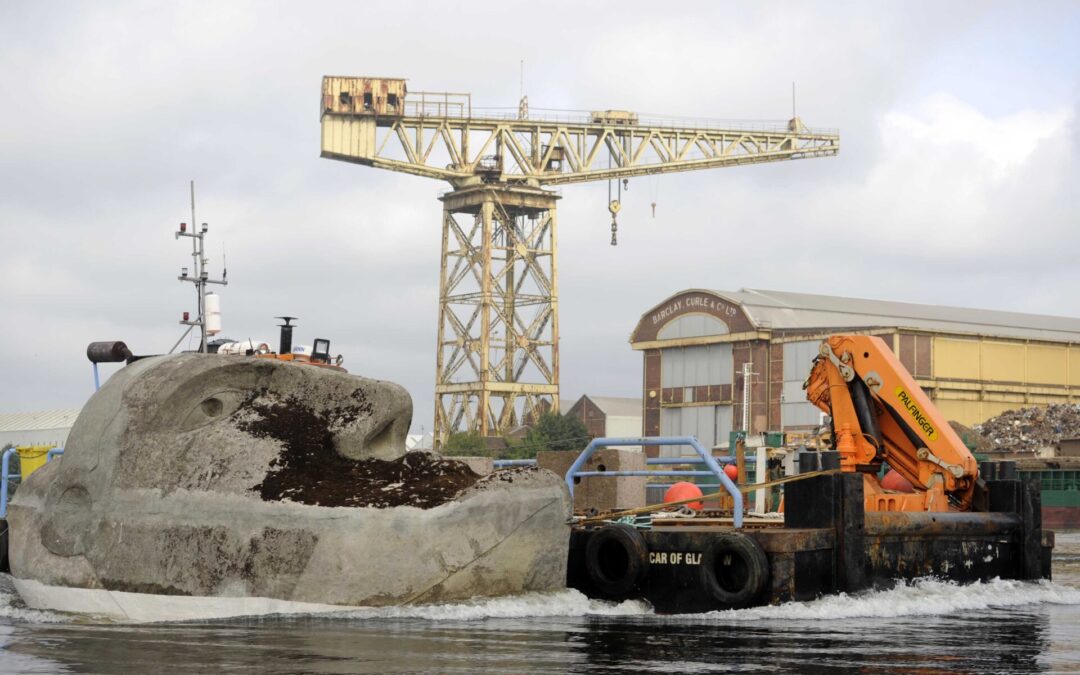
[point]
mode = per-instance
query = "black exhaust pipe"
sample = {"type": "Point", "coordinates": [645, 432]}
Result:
{"type": "Point", "coordinates": [286, 334]}
{"type": "Point", "coordinates": [108, 352]}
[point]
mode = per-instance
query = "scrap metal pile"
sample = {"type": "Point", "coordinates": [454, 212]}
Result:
{"type": "Point", "coordinates": [1027, 429]}
{"type": "Point", "coordinates": [971, 438]}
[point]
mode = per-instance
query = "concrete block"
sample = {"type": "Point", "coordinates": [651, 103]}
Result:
{"type": "Point", "coordinates": [598, 492]}
{"type": "Point", "coordinates": [480, 465]}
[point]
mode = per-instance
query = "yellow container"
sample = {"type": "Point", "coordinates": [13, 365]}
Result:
{"type": "Point", "coordinates": [32, 458]}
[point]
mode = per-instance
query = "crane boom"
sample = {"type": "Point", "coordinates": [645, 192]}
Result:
{"type": "Point", "coordinates": [441, 136]}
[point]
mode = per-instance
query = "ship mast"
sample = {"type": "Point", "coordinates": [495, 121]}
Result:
{"type": "Point", "coordinates": [201, 277]}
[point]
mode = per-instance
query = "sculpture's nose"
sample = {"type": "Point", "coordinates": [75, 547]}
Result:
{"type": "Point", "coordinates": [382, 432]}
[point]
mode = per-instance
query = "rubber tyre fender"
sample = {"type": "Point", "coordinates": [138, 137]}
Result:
{"type": "Point", "coordinates": [616, 559]}
{"type": "Point", "coordinates": [734, 570]}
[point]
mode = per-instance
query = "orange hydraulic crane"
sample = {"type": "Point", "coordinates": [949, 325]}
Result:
{"type": "Point", "coordinates": [879, 414]}
{"type": "Point", "coordinates": [497, 362]}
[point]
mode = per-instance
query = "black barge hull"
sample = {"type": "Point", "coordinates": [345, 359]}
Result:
{"type": "Point", "coordinates": [827, 544]}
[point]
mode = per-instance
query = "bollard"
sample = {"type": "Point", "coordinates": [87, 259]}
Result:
{"type": "Point", "coordinates": [1006, 470]}
{"type": "Point", "coordinates": [809, 461]}
{"type": "Point", "coordinates": [829, 460]}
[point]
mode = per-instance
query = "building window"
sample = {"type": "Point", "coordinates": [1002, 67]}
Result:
{"type": "Point", "coordinates": [695, 366]}
{"type": "Point", "coordinates": [795, 410]}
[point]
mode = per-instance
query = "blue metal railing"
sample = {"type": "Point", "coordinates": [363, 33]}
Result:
{"type": "Point", "coordinates": [703, 458]}
{"type": "Point", "coordinates": [686, 460]}
{"type": "Point", "coordinates": [503, 463]}
{"type": "Point", "coordinates": [726, 459]}
{"type": "Point", "coordinates": [5, 474]}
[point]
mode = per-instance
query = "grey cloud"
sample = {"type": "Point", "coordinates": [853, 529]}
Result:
{"type": "Point", "coordinates": [118, 106]}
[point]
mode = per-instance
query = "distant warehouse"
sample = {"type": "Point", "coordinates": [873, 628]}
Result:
{"type": "Point", "coordinates": [44, 427]}
{"type": "Point", "coordinates": [973, 363]}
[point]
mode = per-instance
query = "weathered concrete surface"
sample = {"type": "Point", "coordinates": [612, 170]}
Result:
{"type": "Point", "coordinates": [154, 494]}
{"type": "Point", "coordinates": [481, 465]}
{"type": "Point", "coordinates": [599, 492]}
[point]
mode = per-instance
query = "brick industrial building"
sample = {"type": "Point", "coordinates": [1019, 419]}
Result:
{"type": "Point", "coordinates": [612, 416]}
{"type": "Point", "coordinates": [973, 363]}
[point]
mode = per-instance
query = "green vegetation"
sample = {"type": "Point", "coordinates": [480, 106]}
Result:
{"type": "Point", "coordinates": [552, 432]}
{"type": "Point", "coordinates": [465, 444]}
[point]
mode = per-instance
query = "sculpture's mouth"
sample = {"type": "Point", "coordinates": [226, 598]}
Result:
{"type": "Point", "coordinates": [417, 479]}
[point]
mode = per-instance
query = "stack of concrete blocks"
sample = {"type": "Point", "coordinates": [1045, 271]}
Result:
{"type": "Point", "coordinates": [599, 492]}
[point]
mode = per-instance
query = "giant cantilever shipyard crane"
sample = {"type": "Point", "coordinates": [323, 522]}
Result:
{"type": "Point", "coordinates": [497, 363]}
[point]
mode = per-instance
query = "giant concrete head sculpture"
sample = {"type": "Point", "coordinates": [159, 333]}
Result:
{"type": "Point", "coordinates": [193, 475]}
{"type": "Point", "coordinates": [220, 423]}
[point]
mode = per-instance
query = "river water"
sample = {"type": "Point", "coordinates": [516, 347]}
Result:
{"type": "Point", "coordinates": [928, 627]}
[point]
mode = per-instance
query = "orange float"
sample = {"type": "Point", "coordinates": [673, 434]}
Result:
{"type": "Point", "coordinates": [681, 491]}
{"type": "Point", "coordinates": [895, 481]}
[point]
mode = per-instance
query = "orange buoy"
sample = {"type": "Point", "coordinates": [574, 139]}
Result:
{"type": "Point", "coordinates": [732, 471]}
{"type": "Point", "coordinates": [894, 481]}
{"type": "Point", "coordinates": [681, 491]}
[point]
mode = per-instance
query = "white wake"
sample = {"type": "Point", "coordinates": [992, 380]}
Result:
{"type": "Point", "coordinates": [924, 597]}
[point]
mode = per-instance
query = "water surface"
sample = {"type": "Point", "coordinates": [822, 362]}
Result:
{"type": "Point", "coordinates": [928, 627]}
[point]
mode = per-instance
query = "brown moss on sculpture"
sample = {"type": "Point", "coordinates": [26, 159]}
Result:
{"type": "Point", "coordinates": [310, 471]}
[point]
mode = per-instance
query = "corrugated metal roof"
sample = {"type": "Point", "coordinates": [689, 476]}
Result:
{"type": "Point", "coordinates": [617, 406]}
{"type": "Point", "coordinates": [780, 310]}
{"type": "Point", "coordinates": [61, 418]}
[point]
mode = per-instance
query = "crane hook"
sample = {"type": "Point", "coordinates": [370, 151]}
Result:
{"type": "Point", "coordinates": [613, 207]}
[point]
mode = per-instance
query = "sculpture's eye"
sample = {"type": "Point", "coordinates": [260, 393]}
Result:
{"type": "Point", "coordinates": [211, 408]}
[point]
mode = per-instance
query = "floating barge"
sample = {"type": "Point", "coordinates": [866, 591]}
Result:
{"type": "Point", "coordinates": [827, 542]}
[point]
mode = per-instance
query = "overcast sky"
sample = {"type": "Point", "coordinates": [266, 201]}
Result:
{"type": "Point", "coordinates": [956, 184]}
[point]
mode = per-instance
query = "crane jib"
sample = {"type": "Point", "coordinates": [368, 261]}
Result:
{"type": "Point", "coordinates": [912, 437]}
{"type": "Point", "coordinates": [916, 413]}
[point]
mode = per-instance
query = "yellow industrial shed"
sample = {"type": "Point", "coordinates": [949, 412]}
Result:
{"type": "Point", "coordinates": [700, 347]}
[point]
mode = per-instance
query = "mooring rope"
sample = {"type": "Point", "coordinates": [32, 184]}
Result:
{"type": "Point", "coordinates": [714, 495]}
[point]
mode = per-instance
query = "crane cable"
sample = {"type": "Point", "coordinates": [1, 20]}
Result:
{"type": "Point", "coordinates": [614, 205]}
{"type": "Point", "coordinates": [654, 192]}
